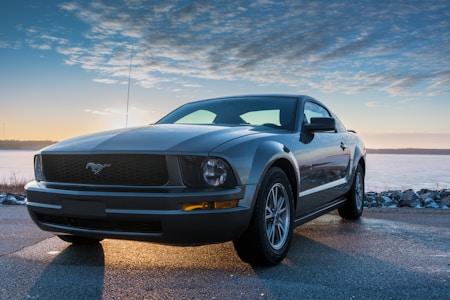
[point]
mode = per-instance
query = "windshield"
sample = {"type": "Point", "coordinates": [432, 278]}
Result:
{"type": "Point", "coordinates": [276, 112]}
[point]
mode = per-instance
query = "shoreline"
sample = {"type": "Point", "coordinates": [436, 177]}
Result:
{"type": "Point", "coordinates": [39, 144]}
{"type": "Point", "coordinates": [24, 145]}
{"type": "Point", "coordinates": [409, 151]}
{"type": "Point", "coordinates": [423, 199]}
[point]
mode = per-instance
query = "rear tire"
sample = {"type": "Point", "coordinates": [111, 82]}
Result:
{"type": "Point", "coordinates": [267, 240]}
{"type": "Point", "coordinates": [79, 240]}
{"type": "Point", "coordinates": [354, 206]}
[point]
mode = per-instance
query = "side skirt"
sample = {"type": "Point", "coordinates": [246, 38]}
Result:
{"type": "Point", "coordinates": [311, 216]}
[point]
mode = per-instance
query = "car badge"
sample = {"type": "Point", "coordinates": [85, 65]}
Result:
{"type": "Point", "coordinates": [96, 168]}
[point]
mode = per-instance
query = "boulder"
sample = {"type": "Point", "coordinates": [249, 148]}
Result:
{"type": "Point", "coordinates": [410, 198]}
{"type": "Point", "coordinates": [445, 201]}
{"type": "Point", "coordinates": [430, 203]}
{"type": "Point", "coordinates": [444, 193]}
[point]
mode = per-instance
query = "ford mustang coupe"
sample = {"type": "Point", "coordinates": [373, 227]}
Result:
{"type": "Point", "coordinates": [246, 169]}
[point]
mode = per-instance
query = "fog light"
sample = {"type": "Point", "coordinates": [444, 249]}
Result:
{"type": "Point", "coordinates": [210, 205]}
{"type": "Point", "coordinates": [197, 205]}
{"type": "Point", "coordinates": [225, 204]}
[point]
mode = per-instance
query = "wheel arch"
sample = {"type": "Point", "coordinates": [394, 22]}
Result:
{"type": "Point", "coordinates": [362, 162]}
{"type": "Point", "coordinates": [287, 168]}
{"type": "Point", "coordinates": [360, 159]}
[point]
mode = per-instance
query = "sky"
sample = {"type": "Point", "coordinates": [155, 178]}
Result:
{"type": "Point", "coordinates": [69, 68]}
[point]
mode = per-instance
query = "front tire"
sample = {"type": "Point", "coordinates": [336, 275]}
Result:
{"type": "Point", "coordinates": [267, 240]}
{"type": "Point", "coordinates": [354, 206]}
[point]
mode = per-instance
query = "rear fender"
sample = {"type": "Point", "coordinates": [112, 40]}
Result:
{"type": "Point", "coordinates": [359, 157]}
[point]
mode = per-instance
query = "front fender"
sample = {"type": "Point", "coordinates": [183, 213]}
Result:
{"type": "Point", "coordinates": [267, 155]}
{"type": "Point", "coordinates": [251, 161]}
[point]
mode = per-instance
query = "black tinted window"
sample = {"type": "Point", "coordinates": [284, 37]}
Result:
{"type": "Point", "coordinates": [277, 112]}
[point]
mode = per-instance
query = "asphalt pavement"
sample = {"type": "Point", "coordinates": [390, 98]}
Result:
{"type": "Point", "coordinates": [388, 254]}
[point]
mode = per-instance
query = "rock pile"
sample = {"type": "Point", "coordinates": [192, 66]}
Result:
{"type": "Point", "coordinates": [409, 198]}
{"type": "Point", "coordinates": [12, 199]}
{"type": "Point", "coordinates": [389, 199]}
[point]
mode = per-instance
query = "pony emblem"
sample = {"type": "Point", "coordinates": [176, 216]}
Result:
{"type": "Point", "coordinates": [96, 168]}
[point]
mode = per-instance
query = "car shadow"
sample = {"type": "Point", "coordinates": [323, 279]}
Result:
{"type": "Point", "coordinates": [83, 280]}
{"type": "Point", "coordinates": [319, 270]}
{"type": "Point", "coordinates": [330, 258]}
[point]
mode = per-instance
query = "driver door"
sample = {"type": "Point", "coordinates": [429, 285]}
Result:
{"type": "Point", "coordinates": [323, 161]}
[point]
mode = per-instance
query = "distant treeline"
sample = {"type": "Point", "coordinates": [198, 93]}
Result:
{"type": "Point", "coordinates": [36, 145]}
{"type": "Point", "coordinates": [24, 145]}
{"type": "Point", "coordinates": [410, 151]}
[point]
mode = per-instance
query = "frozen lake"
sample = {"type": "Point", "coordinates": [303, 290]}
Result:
{"type": "Point", "coordinates": [404, 171]}
{"type": "Point", "coordinates": [16, 164]}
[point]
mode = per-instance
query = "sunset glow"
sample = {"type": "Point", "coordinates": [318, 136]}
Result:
{"type": "Point", "coordinates": [382, 66]}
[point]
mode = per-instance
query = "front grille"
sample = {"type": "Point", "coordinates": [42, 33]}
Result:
{"type": "Point", "coordinates": [99, 224]}
{"type": "Point", "coordinates": [113, 169]}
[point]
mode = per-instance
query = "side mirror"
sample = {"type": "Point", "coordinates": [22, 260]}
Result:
{"type": "Point", "coordinates": [320, 124]}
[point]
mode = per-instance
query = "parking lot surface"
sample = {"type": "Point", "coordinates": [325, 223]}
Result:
{"type": "Point", "coordinates": [388, 254]}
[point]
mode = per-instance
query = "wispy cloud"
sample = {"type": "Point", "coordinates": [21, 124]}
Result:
{"type": "Point", "coordinates": [113, 111]}
{"type": "Point", "coordinates": [10, 45]}
{"type": "Point", "coordinates": [98, 112]}
{"type": "Point", "coordinates": [106, 80]}
{"type": "Point", "coordinates": [105, 112]}
{"type": "Point", "coordinates": [348, 46]}
{"type": "Point", "coordinates": [40, 46]}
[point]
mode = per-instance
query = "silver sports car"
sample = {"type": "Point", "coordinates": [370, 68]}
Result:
{"type": "Point", "coordinates": [246, 169]}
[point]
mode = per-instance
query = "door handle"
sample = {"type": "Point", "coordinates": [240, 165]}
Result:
{"type": "Point", "coordinates": [343, 146]}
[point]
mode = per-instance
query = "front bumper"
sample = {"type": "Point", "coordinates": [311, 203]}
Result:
{"type": "Point", "coordinates": [145, 216]}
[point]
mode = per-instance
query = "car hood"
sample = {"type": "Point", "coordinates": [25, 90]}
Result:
{"type": "Point", "coordinates": [167, 138]}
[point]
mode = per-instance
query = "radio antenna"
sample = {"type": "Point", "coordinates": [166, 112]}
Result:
{"type": "Point", "coordinates": [129, 81]}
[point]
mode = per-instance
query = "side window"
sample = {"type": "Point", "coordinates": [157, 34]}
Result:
{"type": "Point", "coordinates": [314, 110]}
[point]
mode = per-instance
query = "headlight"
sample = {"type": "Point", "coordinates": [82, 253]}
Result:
{"type": "Point", "coordinates": [38, 171]}
{"type": "Point", "coordinates": [214, 171]}
{"type": "Point", "coordinates": [200, 171]}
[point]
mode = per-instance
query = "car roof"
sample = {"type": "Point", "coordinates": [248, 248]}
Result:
{"type": "Point", "coordinates": [259, 96]}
